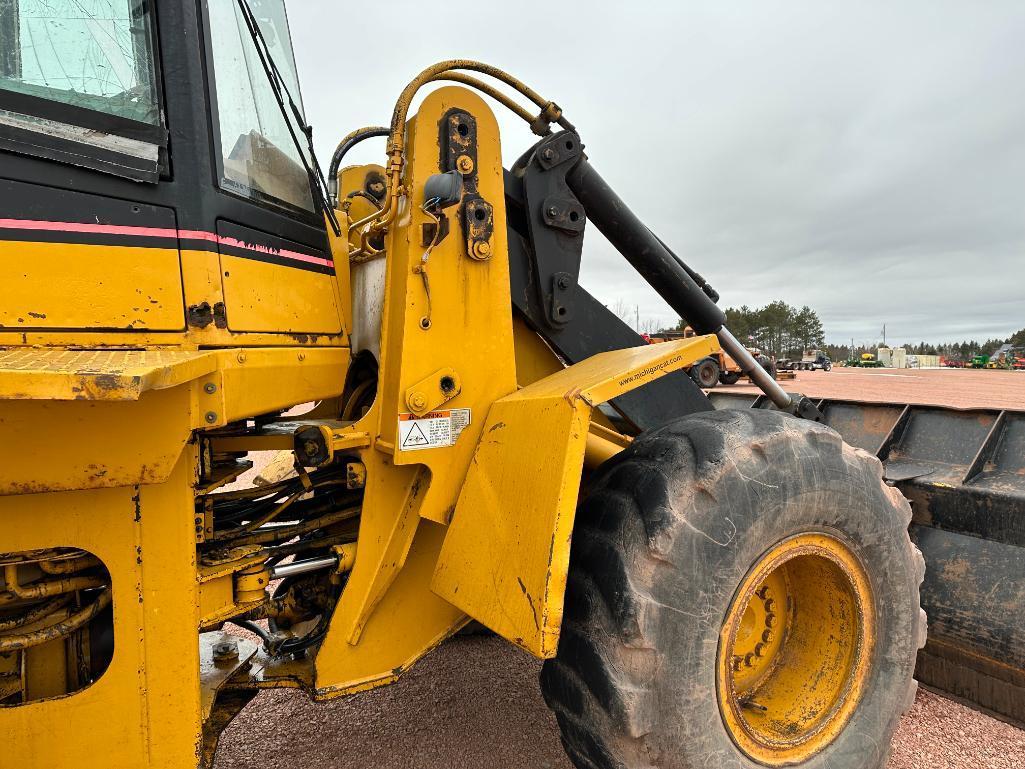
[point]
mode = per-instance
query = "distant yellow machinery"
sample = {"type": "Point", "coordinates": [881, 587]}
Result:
{"type": "Point", "coordinates": [468, 433]}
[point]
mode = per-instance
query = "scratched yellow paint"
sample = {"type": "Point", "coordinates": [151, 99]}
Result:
{"type": "Point", "coordinates": [506, 556]}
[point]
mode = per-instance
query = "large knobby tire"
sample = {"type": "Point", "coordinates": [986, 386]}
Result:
{"type": "Point", "coordinates": [705, 373]}
{"type": "Point", "coordinates": [671, 530]}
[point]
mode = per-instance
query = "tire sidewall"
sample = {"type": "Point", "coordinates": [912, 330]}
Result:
{"type": "Point", "coordinates": [761, 501]}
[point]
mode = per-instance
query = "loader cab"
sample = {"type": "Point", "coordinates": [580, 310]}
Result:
{"type": "Point", "coordinates": [151, 190]}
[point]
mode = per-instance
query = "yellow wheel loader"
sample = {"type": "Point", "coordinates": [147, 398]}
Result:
{"type": "Point", "coordinates": [456, 431]}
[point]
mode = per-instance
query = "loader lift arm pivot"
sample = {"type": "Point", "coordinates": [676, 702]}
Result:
{"type": "Point", "coordinates": [551, 191]}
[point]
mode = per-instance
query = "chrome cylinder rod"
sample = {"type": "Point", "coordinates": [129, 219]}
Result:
{"type": "Point", "coordinates": [762, 379]}
{"type": "Point", "coordinates": [303, 567]}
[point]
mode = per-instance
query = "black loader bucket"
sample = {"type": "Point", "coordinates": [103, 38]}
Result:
{"type": "Point", "coordinates": [964, 473]}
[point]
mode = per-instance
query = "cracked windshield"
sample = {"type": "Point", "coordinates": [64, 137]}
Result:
{"type": "Point", "coordinates": [94, 54]}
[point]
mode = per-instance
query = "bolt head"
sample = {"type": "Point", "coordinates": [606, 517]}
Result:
{"type": "Point", "coordinates": [767, 636]}
{"type": "Point", "coordinates": [770, 620]}
{"type": "Point", "coordinates": [769, 605]}
{"type": "Point", "coordinates": [210, 417]}
{"type": "Point", "coordinates": [225, 650]}
{"type": "Point", "coordinates": [563, 282]}
{"type": "Point", "coordinates": [465, 164]}
{"type": "Point", "coordinates": [418, 401]}
{"type": "Point", "coordinates": [310, 448]}
{"type": "Point", "coordinates": [482, 249]}
{"type": "Point", "coordinates": [241, 357]}
{"type": "Point", "coordinates": [760, 650]}
{"type": "Point", "coordinates": [548, 154]}
{"type": "Point", "coordinates": [553, 211]}
{"type": "Point", "coordinates": [209, 388]}
{"type": "Point", "coordinates": [749, 660]}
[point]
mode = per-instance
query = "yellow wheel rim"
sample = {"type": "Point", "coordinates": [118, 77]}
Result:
{"type": "Point", "coordinates": [795, 650]}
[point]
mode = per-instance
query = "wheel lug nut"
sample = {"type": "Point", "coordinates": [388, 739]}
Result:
{"type": "Point", "coordinates": [763, 593]}
{"type": "Point", "coordinates": [770, 620]}
{"type": "Point", "coordinates": [737, 662]}
{"type": "Point", "coordinates": [749, 660]}
{"type": "Point", "coordinates": [760, 650]}
{"type": "Point", "coordinates": [769, 604]}
{"type": "Point", "coordinates": [766, 636]}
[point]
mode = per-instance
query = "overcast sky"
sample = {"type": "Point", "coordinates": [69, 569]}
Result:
{"type": "Point", "coordinates": [866, 159]}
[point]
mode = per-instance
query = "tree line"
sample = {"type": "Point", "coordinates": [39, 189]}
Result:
{"type": "Point", "coordinates": [966, 349]}
{"type": "Point", "coordinates": [786, 331]}
{"type": "Point", "coordinates": [777, 328]}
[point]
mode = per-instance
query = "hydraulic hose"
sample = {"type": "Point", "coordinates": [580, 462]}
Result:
{"type": "Point", "coordinates": [378, 220]}
{"type": "Point", "coordinates": [47, 589]}
{"type": "Point", "coordinates": [346, 144]}
{"type": "Point", "coordinates": [34, 614]}
{"type": "Point", "coordinates": [61, 629]}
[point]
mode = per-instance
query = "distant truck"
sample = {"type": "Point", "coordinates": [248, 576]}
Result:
{"type": "Point", "coordinates": [810, 361]}
{"type": "Point", "coordinates": [719, 368]}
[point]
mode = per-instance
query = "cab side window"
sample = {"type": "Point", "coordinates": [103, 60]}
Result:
{"type": "Point", "coordinates": [258, 157]}
{"type": "Point", "coordinates": [81, 75]}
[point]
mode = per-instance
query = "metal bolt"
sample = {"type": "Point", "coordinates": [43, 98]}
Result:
{"type": "Point", "coordinates": [770, 605]}
{"type": "Point", "coordinates": [767, 636]}
{"type": "Point", "coordinates": [310, 448]}
{"type": "Point", "coordinates": [302, 356]}
{"type": "Point", "coordinates": [225, 650]}
{"type": "Point", "coordinates": [749, 660]}
{"type": "Point", "coordinates": [763, 593]}
{"type": "Point", "coordinates": [563, 282]}
{"type": "Point", "coordinates": [417, 401]}
{"type": "Point", "coordinates": [760, 650]}
{"type": "Point", "coordinates": [553, 211]}
{"type": "Point", "coordinates": [770, 620]}
{"type": "Point", "coordinates": [482, 249]}
{"type": "Point", "coordinates": [211, 417]}
{"type": "Point", "coordinates": [737, 662]}
{"type": "Point", "coordinates": [209, 388]}
{"type": "Point", "coordinates": [465, 164]}
{"type": "Point", "coordinates": [241, 357]}
{"type": "Point", "coordinates": [548, 154]}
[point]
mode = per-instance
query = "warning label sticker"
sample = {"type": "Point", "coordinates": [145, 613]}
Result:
{"type": "Point", "coordinates": [433, 430]}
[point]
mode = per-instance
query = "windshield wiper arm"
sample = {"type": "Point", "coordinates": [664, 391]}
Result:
{"type": "Point", "coordinates": [286, 103]}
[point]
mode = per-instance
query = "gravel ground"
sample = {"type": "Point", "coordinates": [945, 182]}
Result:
{"type": "Point", "coordinates": [474, 704]}
{"type": "Point", "coordinates": [956, 388]}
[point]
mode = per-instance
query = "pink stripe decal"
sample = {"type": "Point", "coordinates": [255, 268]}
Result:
{"type": "Point", "coordinates": [105, 229]}
{"type": "Point", "coordinates": [157, 232]}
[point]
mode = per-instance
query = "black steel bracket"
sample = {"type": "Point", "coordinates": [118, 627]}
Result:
{"type": "Point", "coordinates": [458, 142]}
{"type": "Point", "coordinates": [546, 224]}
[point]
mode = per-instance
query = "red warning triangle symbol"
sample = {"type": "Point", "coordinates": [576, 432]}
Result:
{"type": "Point", "coordinates": [415, 437]}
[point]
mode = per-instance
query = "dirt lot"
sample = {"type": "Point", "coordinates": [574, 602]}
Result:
{"type": "Point", "coordinates": [957, 388]}
{"type": "Point", "coordinates": [475, 704]}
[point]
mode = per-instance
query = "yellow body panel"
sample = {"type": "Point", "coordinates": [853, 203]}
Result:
{"type": "Point", "coordinates": [471, 334]}
{"type": "Point", "coordinates": [134, 411]}
{"type": "Point", "coordinates": [287, 300]}
{"type": "Point", "coordinates": [42, 286]}
{"type": "Point", "coordinates": [144, 710]}
{"type": "Point", "coordinates": [506, 556]}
